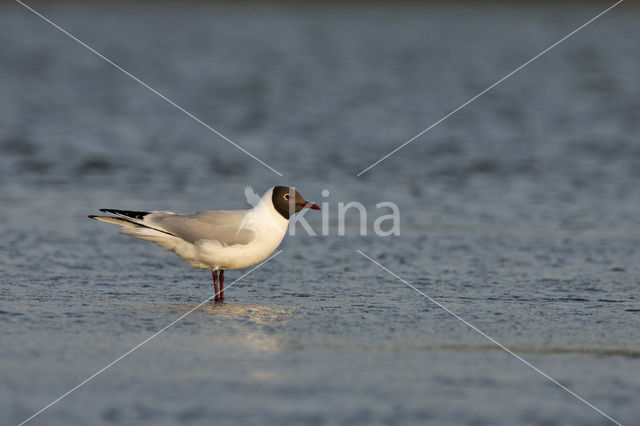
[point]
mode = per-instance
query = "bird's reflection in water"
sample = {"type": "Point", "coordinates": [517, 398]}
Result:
{"type": "Point", "coordinates": [252, 327]}
{"type": "Point", "coordinates": [256, 314]}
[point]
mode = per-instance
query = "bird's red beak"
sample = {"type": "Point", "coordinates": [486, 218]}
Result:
{"type": "Point", "coordinates": [308, 205]}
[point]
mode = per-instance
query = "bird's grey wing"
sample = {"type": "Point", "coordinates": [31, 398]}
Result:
{"type": "Point", "coordinates": [223, 226]}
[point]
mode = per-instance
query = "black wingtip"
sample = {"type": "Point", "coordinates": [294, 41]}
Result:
{"type": "Point", "coordinates": [127, 213]}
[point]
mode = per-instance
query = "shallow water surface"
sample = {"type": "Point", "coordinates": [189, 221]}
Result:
{"type": "Point", "coordinates": [519, 214]}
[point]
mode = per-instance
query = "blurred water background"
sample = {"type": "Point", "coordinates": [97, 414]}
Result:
{"type": "Point", "coordinates": [519, 213]}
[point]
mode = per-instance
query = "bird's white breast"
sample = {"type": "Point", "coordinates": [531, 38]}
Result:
{"type": "Point", "coordinates": [269, 228]}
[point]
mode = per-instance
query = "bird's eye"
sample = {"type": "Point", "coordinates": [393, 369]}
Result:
{"type": "Point", "coordinates": [287, 196]}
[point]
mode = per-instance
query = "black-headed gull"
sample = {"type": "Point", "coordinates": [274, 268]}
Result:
{"type": "Point", "coordinates": [217, 239]}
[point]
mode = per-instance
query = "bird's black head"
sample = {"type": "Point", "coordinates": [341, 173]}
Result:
{"type": "Point", "coordinates": [288, 201]}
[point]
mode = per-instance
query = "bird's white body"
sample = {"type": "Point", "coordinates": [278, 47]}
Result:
{"type": "Point", "coordinates": [213, 240]}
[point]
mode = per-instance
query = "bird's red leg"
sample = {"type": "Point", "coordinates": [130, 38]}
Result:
{"type": "Point", "coordinates": [214, 274]}
{"type": "Point", "coordinates": [222, 284]}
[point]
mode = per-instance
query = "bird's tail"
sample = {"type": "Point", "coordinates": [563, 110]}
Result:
{"type": "Point", "coordinates": [132, 224]}
{"type": "Point", "coordinates": [116, 221]}
{"type": "Point", "coordinates": [131, 219]}
{"type": "Point", "coordinates": [126, 218]}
